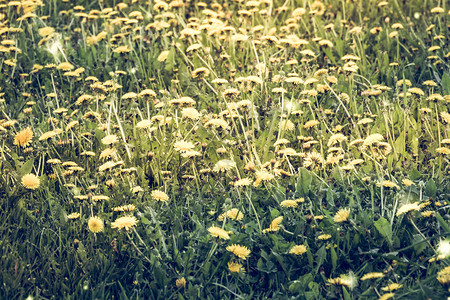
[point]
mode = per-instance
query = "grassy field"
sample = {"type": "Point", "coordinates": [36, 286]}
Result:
{"type": "Point", "coordinates": [224, 150]}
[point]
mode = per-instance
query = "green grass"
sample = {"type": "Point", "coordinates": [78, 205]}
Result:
{"type": "Point", "coordinates": [369, 134]}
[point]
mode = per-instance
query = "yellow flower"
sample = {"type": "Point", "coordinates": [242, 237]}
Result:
{"type": "Point", "coordinates": [240, 251]}
{"type": "Point", "coordinates": [407, 182]}
{"type": "Point", "coordinates": [31, 181]}
{"type": "Point", "coordinates": [65, 66]}
{"type": "Point", "coordinates": [109, 139]}
{"type": "Point", "coordinates": [190, 113]}
{"type": "Point", "coordinates": [218, 232]}
{"type": "Point", "coordinates": [289, 203]}
{"type": "Point", "coordinates": [159, 196]}
{"type": "Point", "coordinates": [286, 124]}
{"type": "Point", "coordinates": [407, 208]}
{"type": "Point", "coordinates": [386, 296]}
{"type": "Point", "coordinates": [73, 216]}
{"type": "Point", "coordinates": [243, 182]}
{"type": "Point", "coordinates": [122, 49]}
{"type": "Point", "coordinates": [49, 134]}
{"type": "Point", "coordinates": [324, 237]}
{"type": "Point", "coordinates": [388, 183]}
{"type": "Point", "coordinates": [183, 146]}
{"type": "Point", "coordinates": [372, 275]}
{"type": "Point", "coordinates": [443, 276]}
{"type": "Point", "coordinates": [126, 222]}
{"type": "Point", "coordinates": [180, 282]}
{"type": "Point", "coordinates": [235, 214]}
{"type": "Point", "coordinates": [46, 31]}
{"type": "Point", "coordinates": [391, 287]}
{"type": "Point", "coordinates": [342, 215]}
{"type": "Point", "coordinates": [298, 250]}
{"type": "Point", "coordinates": [200, 72]}
{"type": "Point", "coordinates": [235, 267]}
{"type": "Point", "coordinates": [24, 137]}
{"type": "Point", "coordinates": [274, 225]}
{"type": "Point", "coordinates": [96, 225]}
{"type": "Point", "coordinates": [163, 56]}
{"type": "Point", "coordinates": [144, 124]}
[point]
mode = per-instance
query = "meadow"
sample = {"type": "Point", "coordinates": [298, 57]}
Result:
{"type": "Point", "coordinates": [229, 149]}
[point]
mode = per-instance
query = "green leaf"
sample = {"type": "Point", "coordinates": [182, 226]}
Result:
{"type": "Point", "coordinates": [442, 222]}
{"type": "Point", "coordinates": [304, 181]}
{"type": "Point", "coordinates": [321, 255]}
{"type": "Point", "coordinates": [27, 167]}
{"type": "Point", "coordinates": [333, 259]}
{"type": "Point", "coordinates": [430, 188]}
{"type": "Point", "coordinates": [170, 61]}
{"type": "Point", "coordinates": [346, 293]}
{"type": "Point", "coordinates": [384, 228]}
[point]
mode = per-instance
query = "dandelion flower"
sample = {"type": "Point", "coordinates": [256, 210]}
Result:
{"type": "Point", "coordinates": [224, 165]}
{"type": "Point", "coordinates": [159, 196]}
{"type": "Point", "coordinates": [289, 203]}
{"type": "Point", "coordinates": [163, 56]}
{"type": "Point", "coordinates": [30, 181]}
{"type": "Point", "coordinates": [407, 208]}
{"type": "Point", "coordinates": [183, 146]}
{"type": "Point", "coordinates": [348, 280]}
{"type": "Point", "coordinates": [373, 139]}
{"type": "Point", "coordinates": [391, 287]}
{"type": "Point", "coordinates": [324, 237]}
{"type": "Point", "coordinates": [218, 232]}
{"type": "Point", "coordinates": [180, 282]}
{"type": "Point", "coordinates": [96, 225]}
{"type": "Point", "coordinates": [191, 113]}
{"type": "Point", "coordinates": [243, 182]}
{"type": "Point", "coordinates": [407, 182]}
{"type": "Point", "coordinates": [262, 176]}
{"type": "Point", "coordinates": [386, 296]}
{"type": "Point", "coordinates": [240, 251]}
{"type": "Point", "coordinates": [274, 225]}
{"type": "Point", "coordinates": [298, 250]}
{"type": "Point", "coordinates": [46, 31]}
{"type": "Point", "coordinates": [73, 216]}
{"type": "Point", "coordinates": [65, 66]}
{"type": "Point", "coordinates": [24, 137]}
{"type": "Point", "coordinates": [235, 267]}
{"type": "Point", "coordinates": [200, 72]}
{"type": "Point", "coordinates": [122, 49]}
{"type": "Point", "coordinates": [144, 124]}
{"type": "Point", "coordinates": [443, 276]}
{"type": "Point", "coordinates": [126, 222]}
{"type": "Point", "coordinates": [286, 124]}
{"type": "Point", "coordinates": [372, 275]}
{"type": "Point", "coordinates": [49, 134]}
{"type": "Point", "coordinates": [342, 215]}
{"type": "Point", "coordinates": [110, 139]}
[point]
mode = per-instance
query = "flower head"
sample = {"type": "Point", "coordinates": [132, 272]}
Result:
{"type": "Point", "coordinates": [73, 216]}
{"type": "Point", "coordinates": [96, 225]}
{"type": "Point", "coordinates": [24, 137]}
{"type": "Point", "coordinates": [159, 196]}
{"type": "Point", "coordinates": [407, 208]}
{"type": "Point", "coordinates": [126, 222]}
{"type": "Point", "coordinates": [298, 250]}
{"type": "Point", "coordinates": [235, 267]}
{"type": "Point", "coordinates": [372, 275]}
{"type": "Point", "coordinates": [30, 181]}
{"type": "Point", "coordinates": [218, 232]}
{"type": "Point", "coordinates": [240, 251]}
{"type": "Point", "coordinates": [342, 215]}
